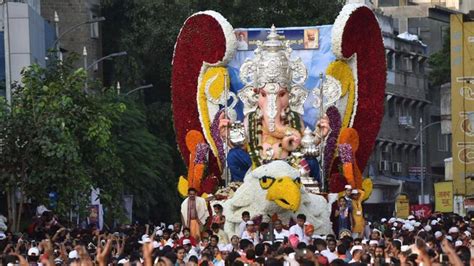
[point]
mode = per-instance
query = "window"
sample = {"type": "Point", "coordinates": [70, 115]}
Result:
{"type": "Point", "coordinates": [391, 107]}
{"type": "Point", "coordinates": [443, 142]}
{"type": "Point", "coordinates": [94, 26]}
{"type": "Point", "coordinates": [387, 153]}
{"type": "Point", "coordinates": [408, 64]}
{"type": "Point", "coordinates": [389, 60]}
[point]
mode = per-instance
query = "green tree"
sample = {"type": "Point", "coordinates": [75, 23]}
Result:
{"type": "Point", "coordinates": [440, 63]}
{"type": "Point", "coordinates": [148, 167]}
{"type": "Point", "coordinates": [57, 138]}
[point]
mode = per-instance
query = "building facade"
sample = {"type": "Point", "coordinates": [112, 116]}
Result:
{"type": "Point", "coordinates": [24, 38]}
{"type": "Point", "coordinates": [72, 13]}
{"type": "Point", "coordinates": [412, 32]}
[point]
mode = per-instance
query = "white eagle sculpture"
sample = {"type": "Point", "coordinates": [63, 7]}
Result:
{"type": "Point", "coordinates": [269, 188]}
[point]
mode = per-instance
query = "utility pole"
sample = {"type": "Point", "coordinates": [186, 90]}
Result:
{"type": "Point", "coordinates": [422, 174]}
{"type": "Point", "coordinates": [84, 54]}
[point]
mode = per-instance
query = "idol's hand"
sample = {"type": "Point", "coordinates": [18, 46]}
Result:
{"type": "Point", "coordinates": [223, 126]}
{"type": "Point", "coordinates": [322, 127]}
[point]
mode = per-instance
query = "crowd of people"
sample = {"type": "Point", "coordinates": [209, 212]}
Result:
{"type": "Point", "coordinates": [436, 240]}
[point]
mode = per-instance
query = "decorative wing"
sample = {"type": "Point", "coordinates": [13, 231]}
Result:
{"type": "Point", "coordinates": [205, 41]}
{"type": "Point", "coordinates": [361, 69]}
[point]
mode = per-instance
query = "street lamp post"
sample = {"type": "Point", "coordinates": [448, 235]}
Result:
{"type": "Point", "coordinates": [84, 54]}
{"type": "Point", "coordinates": [139, 88]}
{"type": "Point", "coordinates": [56, 21]}
{"type": "Point", "coordinates": [56, 27]}
{"type": "Point", "coordinates": [123, 53]}
{"type": "Point", "coordinates": [422, 173]}
{"type": "Point", "coordinates": [87, 67]}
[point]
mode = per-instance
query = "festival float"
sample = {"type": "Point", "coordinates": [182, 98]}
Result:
{"type": "Point", "coordinates": [264, 130]}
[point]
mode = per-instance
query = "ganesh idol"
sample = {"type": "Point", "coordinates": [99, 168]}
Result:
{"type": "Point", "coordinates": [273, 97]}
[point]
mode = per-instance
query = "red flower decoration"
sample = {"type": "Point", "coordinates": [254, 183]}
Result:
{"type": "Point", "coordinates": [362, 37]}
{"type": "Point", "coordinates": [200, 40]}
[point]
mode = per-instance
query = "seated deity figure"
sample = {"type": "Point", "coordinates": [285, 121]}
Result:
{"type": "Point", "coordinates": [273, 97]}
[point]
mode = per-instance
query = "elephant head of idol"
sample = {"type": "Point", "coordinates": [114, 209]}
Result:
{"type": "Point", "coordinates": [273, 82]}
{"type": "Point", "coordinates": [281, 183]}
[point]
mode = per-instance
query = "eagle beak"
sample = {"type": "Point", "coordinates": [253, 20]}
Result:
{"type": "Point", "coordinates": [286, 193]}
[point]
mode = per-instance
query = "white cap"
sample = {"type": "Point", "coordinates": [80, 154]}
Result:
{"type": "Point", "coordinates": [410, 217]}
{"type": "Point", "coordinates": [467, 233]}
{"type": "Point", "coordinates": [316, 236]}
{"type": "Point", "coordinates": [458, 243]}
{"type": "Point", "coordinates": [453, 230]}
{"type": "Point", "coordinates": [404, 248]}
{"type": "Point", "coordinates": [364, 241]}
{"type": "Point", "coordinates": [438, 219]}
{"type": "Point", "coordinates": [450, 238]}
{"type": "Point", "coordinates": [159, 232]}
{"type": "Point", "coordinates": [41, 209]}
{"type": "Point", "coordinates": [373, 242]}
{"type": "Point", "coordinates": [392, 220]}
{"type": "Point", "coordinates": [2, 235]}
{"type": "Point", "coordinates": [434, 222]}
{"type": "Point", "coordinates": [412, 222]}
{"type": "Point", "coordinates": [249, 222]}
{"type": "Point", "coordinates": [377, 230]}
{"type": "Point", "coordinates": [170, 242]}
{"type": "Point", "coordinates": [171, 227]}
{"type": "Point", "coordinates": [411, 229]}
{"type": "Point", "coordinates": [347, 187]}
{"type": "Point", "coordinates": [123, 261]}
{"type": "Point", "coordinates": [186, 242]}
{"type": "Point", "coordinates": [395, 224]}
{"type": "Point", "coordinates": [355, 191]}
{"type": "Point", "coordinates": [417, 224]}
{"type": "Point", "coordinates": [145, 239]}
{"type": "Point", "coordinates": [356, 247]}
{"type": "Point", "coordinates": [156, 244]}
{"type": "Point", "coordinates": [34, 251]}
{"type": "Point", "coordinates": [393, 229]}
{"type": "Point", "coordinates": [438, 234]}
{"type": "Point", "coordinates": [73, 255]}
{"type": "Point", "coordinates": [427, 228]}
{"type": "Point", "coordinates": [400, 220]}
{"type": "Point", "coordinates": [383, 220]}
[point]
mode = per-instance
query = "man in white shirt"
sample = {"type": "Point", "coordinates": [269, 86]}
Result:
{"type": "Point", "coordinates": [243, 224]}
{"type": "Point", "coordinates": [298, 228]}
{"type": "Point", "coordinates": [279, 232]}
{"type": "Point", "coordinates": [251, 234]}
{"type": "Point", "coordinates": [189, 249]}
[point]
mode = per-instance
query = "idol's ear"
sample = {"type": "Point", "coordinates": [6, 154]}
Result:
{"type": "Point", "coordinates": [298, 95]}
{"type": "Point", "coordinates": [249, 98]}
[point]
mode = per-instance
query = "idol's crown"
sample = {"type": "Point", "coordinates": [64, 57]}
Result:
{"type": "Point", "coordinates": [273, 64]}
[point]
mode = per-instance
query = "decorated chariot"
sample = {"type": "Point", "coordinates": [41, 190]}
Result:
{"type": "Point", "coordinates": [243, 131]}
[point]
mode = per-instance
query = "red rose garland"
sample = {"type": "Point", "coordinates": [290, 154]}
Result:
{"type": "Point", "coordinates": [359, 35]}
{"type": "Point", "coordinates": [201, 39]}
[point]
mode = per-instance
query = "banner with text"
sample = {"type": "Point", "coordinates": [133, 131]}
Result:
{"type": "Point", "coordinates": [443, 196]}
{"type": "Point", "coordinates": [421, 211]}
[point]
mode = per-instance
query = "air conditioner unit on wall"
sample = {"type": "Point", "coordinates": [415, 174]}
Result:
{"type": "Point", "coordinates": [405, 121]}
{"type": "Point", "coordinates": [384, 165]}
